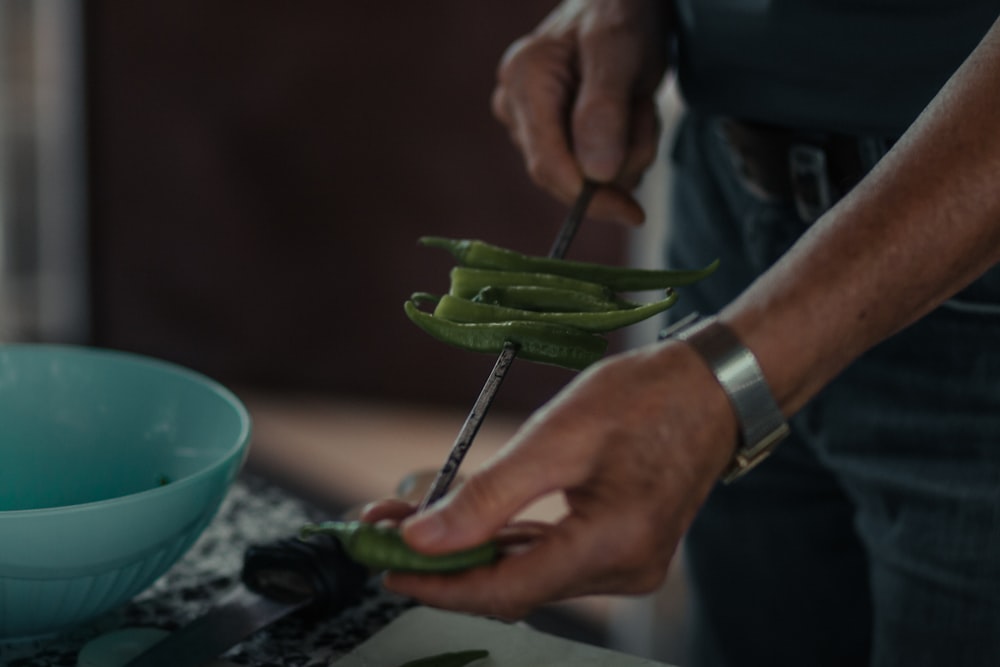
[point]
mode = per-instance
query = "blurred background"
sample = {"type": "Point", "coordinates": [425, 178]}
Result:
{"type": "Point", "coordinates": [238, 187]}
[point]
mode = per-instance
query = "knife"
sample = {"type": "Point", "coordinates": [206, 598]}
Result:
{"type": "Point", "coordinates": [312, 577]}
{"type": "Point", "coordinates": [466, 435]}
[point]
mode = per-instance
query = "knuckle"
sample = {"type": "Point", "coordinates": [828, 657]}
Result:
{"type": "Point", "coordinates": [481, 495]}
{"type": "Point", "coordinates": [540, 170]}
{"type": "Point", "coordinates": [599, 112]}
{"type": "Point", "coordinates": [498, 105]}
{"type": "Point", "coordinates": [613, 27]}
{"type": "Point", "coordinates": [535, 166]}
{"type": "Point", "coordinates": [514, 57]}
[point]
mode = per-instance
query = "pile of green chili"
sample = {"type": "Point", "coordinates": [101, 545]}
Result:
{"type": "Point", "coordinates": [554, 310]}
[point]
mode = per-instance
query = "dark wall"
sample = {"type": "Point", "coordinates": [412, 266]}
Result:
{"type": "Point", "coordinates": [260, 172]}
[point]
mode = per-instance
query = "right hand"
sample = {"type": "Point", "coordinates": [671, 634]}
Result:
{"type": "Point", "coordinates": [577, 96]}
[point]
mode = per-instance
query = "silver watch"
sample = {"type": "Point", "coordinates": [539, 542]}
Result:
{"type": "Point", "coordinates": [762, 425]}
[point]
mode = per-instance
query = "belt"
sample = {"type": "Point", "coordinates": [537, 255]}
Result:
{"type": "Point", "coordinates": [811, 169]}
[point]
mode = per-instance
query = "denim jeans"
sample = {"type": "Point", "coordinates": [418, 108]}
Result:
{"type": "Point", "coordinates": [872, 535]}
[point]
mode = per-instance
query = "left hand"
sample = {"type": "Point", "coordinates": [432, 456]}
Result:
{"type": "Point", "coordinates": [634, 444]}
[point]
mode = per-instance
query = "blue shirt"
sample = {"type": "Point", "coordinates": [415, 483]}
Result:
{"type": "Point", "coordinates": [863, 66]}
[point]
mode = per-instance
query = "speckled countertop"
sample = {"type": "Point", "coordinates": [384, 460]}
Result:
{"type": "Point", "coordinates": [254, 512]}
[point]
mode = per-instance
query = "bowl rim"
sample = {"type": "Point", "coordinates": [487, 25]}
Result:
{"type": "Point", "coordinates": [239, 448]}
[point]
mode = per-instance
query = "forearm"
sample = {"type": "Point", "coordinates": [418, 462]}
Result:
{"type": "Point", "coordinates": [922, 226]}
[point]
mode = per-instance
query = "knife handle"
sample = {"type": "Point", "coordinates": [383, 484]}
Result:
{"type": "Point", "coordinates": [316, 573]}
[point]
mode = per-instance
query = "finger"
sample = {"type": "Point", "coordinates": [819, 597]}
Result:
{"type": "Point", "coordinates": [509, 589]}
{"type": "Point", "coordinates": [521, 533]}
{"type": "Point", "coordinates": [644, 143]}
{"type": "Point", "coordinates": [612, 204]}
{"type": "Point", "coordinates": [488, 500]}
{"type": "Point", "coordinates": [616, 203]}
{"type": "Point", "coordinates": [532, 99]}
{"type": "Point", "coordinates": [390, 509]}
{"type": "Point", "coordinates": [610, 65]}
{"type": "Point", "coordinates": [575, 558]}
{"type": "Point", "coordinates": [547, 156]}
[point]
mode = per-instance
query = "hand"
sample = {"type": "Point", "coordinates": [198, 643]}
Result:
{"type": "Point", "coordinates": [634, 445]}
{"type": "Point", "coordinates": [577, 96]}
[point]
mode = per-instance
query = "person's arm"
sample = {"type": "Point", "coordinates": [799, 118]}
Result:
{"type": "Point", "coordinates": [636, 443]}
{"type": "Point", "coordinates": [921, 227]}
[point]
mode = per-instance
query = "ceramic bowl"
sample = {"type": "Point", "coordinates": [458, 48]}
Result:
{"type": "Point", "coordinates": [111, 465]}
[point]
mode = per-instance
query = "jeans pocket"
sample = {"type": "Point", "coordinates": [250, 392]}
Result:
{"type": "Point", "coordinates": [770, 230]}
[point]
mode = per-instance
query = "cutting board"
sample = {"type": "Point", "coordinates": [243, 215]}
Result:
{"type": "Point", "coordinates": [422, 632]}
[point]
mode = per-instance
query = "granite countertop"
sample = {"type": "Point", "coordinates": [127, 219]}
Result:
{"type": "Point", "coordinates": [253, 512]}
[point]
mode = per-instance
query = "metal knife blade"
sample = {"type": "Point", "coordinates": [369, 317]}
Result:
{"type": "Point", "coordinates": [467, 434]}
{"type": "Point", "coordinates": [235, 618]}
{"type": "Point", "coordinates": [313, 576]}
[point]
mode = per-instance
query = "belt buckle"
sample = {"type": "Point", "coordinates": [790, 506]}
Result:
{"type": "Point", "coordinates": [810, 175]}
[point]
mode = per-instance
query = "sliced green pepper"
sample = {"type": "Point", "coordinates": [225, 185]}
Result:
{"type": "Point", "coordinates": [452, 659]}
{"type": "Point", "coordinates": [478, 254]}
{"type": "Point", "coordinates": [463, 310]}
{"type": "Point", "coordinates": [537, 341]}
{"type": "Point", "coordinates": [548, 299]}
{"type": "Point", "coordinates": [381, 547]}
{"type": "Point", "coordinates": [466, 282]}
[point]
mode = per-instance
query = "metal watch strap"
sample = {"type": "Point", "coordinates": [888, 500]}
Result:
{"type": "Point", "coordinates": [762, 424]}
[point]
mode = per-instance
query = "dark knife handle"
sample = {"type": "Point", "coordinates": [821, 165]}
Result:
{"type": "Point", "coordinates": [316, 572]}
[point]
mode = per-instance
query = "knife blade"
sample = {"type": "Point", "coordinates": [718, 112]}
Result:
{"type": "Point", "coordinates": [235, 618]}
{"type": "Point", "coordinates": [314, 577]}
{"type": "Point", "coordinates": [467, 434]}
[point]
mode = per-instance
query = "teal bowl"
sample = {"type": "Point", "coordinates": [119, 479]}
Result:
{"type": "Point", "coordinates": [111, 465]}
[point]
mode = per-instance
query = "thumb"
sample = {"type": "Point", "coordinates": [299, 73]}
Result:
{"type": "Point", "coordinates": [611, 63]}
{"type": "Point", "coordinates": [475, 511]}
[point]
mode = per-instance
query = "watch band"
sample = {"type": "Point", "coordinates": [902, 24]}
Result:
{"type": "Point", "coordinates": [762, 424]}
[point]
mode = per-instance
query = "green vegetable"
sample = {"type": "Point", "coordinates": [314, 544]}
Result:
{"type": "Point", "coordinates": [463, 310]}
{"type": "Point", "coordinates": [382, 548]}
{"type": "Point", "coordinates": [532, 297]}
{"type": "Point", "coordinates": [478, 254]}
{"type": "Point", "coordinates": [425, 297]}
{"type": "Point", "coordinates": [453, 659]}
{"type": "Point", "coordinates": [537, 341]}
{"type": "Point", "coordinates": [466, 282]}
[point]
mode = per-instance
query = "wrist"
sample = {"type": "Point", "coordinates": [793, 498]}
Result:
{"type": "Point", "coordinates": [760, 421]}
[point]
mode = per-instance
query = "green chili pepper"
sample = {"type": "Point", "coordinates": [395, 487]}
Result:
{"type": "Point", "coordinates": [478, 254]}
{"type": "Point", "coordinates": [453, 659]}
{"type": "Point", "coordinates": [548, 299]}
{"type": "Point", "coordinates": [424, 297]}
{"type": "Point", "coordinates": [537, 341]}
{"type": "Point", "coordinates": [463, 310]}
{"type": "Point", "coordinates": [466, 282]}
{"type": "Point", "coordinates": [381, 547]}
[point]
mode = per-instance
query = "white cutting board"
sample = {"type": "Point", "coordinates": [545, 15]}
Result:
{"type": "Point", "coordinates": [422, 632]}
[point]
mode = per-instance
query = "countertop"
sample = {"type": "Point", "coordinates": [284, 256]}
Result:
{"type": "Point", "coordinates": [313, 458]}
{"type": "Point", "coordinates": [253, 512]}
